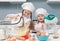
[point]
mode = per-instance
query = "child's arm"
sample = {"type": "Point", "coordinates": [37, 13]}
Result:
{"type": "Point", "coordinates": [20, 38]}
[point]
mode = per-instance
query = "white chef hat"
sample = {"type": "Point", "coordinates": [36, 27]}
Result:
{"type": "Point", "coordinates": [41, 11]}
{"type": "Point", "coordinates": [29, 6]}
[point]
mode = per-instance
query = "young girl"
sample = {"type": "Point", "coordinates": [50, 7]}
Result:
{"type": "Point", "coordinates": [40, 26]}
{"type": "Point", "coordinates": [25, 22]}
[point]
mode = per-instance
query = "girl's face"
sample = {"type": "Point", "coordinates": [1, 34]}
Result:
{"type": "Point", "coordinates": [40, 18]}
{"type": "Point", "coordinates": [26, 13]}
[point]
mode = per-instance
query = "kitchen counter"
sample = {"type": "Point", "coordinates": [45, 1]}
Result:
{"type": "Point", "coordinates": [52, 39]}
{"type": "Point", "coordinates": [49, 39]}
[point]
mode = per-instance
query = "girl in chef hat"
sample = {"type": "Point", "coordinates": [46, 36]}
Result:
{"type": "Point", "coordinates": [40, 26]}
{"type": "Point", "coordinates": [25, 20]}
{"type": "Point", "coordinates": [26, 14]}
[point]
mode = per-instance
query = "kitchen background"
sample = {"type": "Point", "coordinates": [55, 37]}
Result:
{"type": "Point", "coordinates": [10, 8]}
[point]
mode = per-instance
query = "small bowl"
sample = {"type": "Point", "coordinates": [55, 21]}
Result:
{"type": "Point", "coordinates": [42, 38]}
{"type": "Point", "coordinates": [55, 37]}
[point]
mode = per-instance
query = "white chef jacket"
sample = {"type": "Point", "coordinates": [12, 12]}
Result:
{"type": "Point", "coordinates": [12, 28]}
{"type": "Point", "coordinates": [39, 26]}
{"type": "Point", "coordinates": [26, 21]}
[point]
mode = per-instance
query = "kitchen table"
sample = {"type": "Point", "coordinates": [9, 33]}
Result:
{"type": "Point", "coordinates": [52, 39]}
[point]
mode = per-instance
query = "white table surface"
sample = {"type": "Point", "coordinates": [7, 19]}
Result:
{"type": "Point", "coordinates": [51, 38]}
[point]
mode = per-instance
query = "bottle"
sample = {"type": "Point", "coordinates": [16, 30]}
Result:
{"type": "Point", "coordinates": [30, 36]}
{"type": "Point", "coordinates": [33, 36]}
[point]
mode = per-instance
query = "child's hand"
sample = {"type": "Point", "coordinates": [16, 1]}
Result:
{"type": "Point", "coordinates": [38, 33]}
{"type": "Point", "coordinates": [20, 38]}
{"type": "Point", "coordinates": [16, 16]}
{"type": "Point", "coordinates": [43, 33]}
{"type": "Point", "coordinates": [11, 39]}
{"type": "Point", "coordinates": [8, 39]}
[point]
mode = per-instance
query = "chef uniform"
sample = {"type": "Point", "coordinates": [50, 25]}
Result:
{"type": "Point", "coordinates": [10, 29]}
{"type": "Point", "coordinates": [28, 6]}
{"type": "Point", "coordinates": [38, 26]}
{"type": "Point", "coordinates": [26, 20]}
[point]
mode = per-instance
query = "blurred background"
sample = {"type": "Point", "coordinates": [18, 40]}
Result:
{"type": "Point", "coordinates": [15, 7]}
